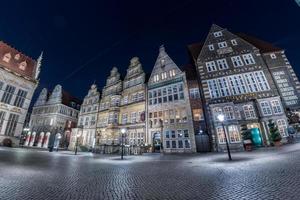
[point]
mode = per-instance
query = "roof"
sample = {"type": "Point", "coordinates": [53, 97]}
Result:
{"type": "Point", "coordinates": [263, 46]}
{"type": "Point", "coordinates": [194, 50]}
{"type": "Point", "coordinates": [17, 58]}
{"type": "Point", "coordinates": [190, 71]}
{"type": "Point", "coordinates": [67, 98]}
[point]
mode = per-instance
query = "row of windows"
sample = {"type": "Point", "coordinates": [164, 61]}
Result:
{"type": "Point", "coordinates": [178, 144]}
{"type": "Point", "coordinates": [171, 116]}
{"type": "Point", "coordinates": [176, 134]}
{"type": "Point", "coordinates": [231, 113]}
{"type": "Point", "coordinates": [268, 107]}
{"type": "Point", "coordinates": [164, 75]}
{"type": "Point", "coordinates": [8, 95]}
{"type": "Point", "coordinates": [11, 123]}
{"type": "Point", "coordinates": [238, 84]}
{"type": "Point", "coordinates": [221, 45]}
{"type": "Point", "coordinates": [89, 109]}
{"type": "Point", "coordinates": [237, 61]}
{"type": "Point", "coordinates": [166, 94]}
{"type": "Point", "coordinates": [233, 133]}
{"type": "Point", "coordinates": [133, 82]}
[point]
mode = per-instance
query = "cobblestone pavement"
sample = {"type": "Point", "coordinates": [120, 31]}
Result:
{"type": "Point", "coordinates": [40, 175]}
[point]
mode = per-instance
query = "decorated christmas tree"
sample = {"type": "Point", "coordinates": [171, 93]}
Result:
{"type": "Point", "coordinates": [274, 133]}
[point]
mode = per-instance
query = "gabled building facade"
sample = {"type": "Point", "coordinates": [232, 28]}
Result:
{"type": "Point", "coordinates": [86, 129]}
{"type": "Point", "coordinates": [236, 82]}
{"type": "Point", "coordinates": [54, 114]}
{"type": "Point", "coordinates": [18, 81]}
{"type": "Point", "coordinates": [169, 115]}
{"type": "Point", "coordinates": [108, 133]}
{"type": "Point", "coordinates": [133, 106]}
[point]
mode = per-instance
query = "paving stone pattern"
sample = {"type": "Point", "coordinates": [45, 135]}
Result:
{"type": "Point", "coordinates": [40, 175]}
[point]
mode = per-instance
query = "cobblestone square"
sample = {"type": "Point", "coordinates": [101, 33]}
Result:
{"type": "Point", "coordinates": [263, 174]}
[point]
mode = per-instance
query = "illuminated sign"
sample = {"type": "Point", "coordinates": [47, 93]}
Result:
{"type": "Point", "coordinates": [286, 88]}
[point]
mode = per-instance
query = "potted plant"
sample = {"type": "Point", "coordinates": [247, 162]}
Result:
{"type": "Point", "coordinates": [275, 136]}
{"type": "Point", "coordinates": [247, 138]}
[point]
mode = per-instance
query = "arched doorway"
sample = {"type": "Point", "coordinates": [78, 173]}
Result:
{"type": "Point", "coordinates": [28, 136]}
{"type": "Point", "coordinates": [46, 140]}
{"type": "Point", "coordinates": [32, 139]}
{"type": "Point", "coordinates": [156, 142]}
{"type": "Point", "coordinates": [57, 140]}
{"type": "Point", "coordinates": [40, 139]}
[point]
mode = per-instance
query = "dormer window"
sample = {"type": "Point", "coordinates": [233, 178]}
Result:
{"type": "Point", "coordinates": [211, 47]}
{"type": "Point", "coordinates": [17, 57]}
{"type": "Point", "coordinates": [6, 57]}
{"type": "Point", "coordinates": [233, 42]}
{"type": "Point", "coordinates": [22, 65]}
{"type": "Point", "coordinates": [273, 56]}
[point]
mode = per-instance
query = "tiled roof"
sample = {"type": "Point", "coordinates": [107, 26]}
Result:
{"type": "Point", "coordinates": [67, 98]}
{"type": "Point", "coordinates": [15, 60]}
{"type": "Point", "coordinates": [194, 50]}
{"type": "Point", "coordinates": [263, 46]}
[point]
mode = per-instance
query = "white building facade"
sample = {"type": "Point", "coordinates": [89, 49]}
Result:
{"type": "Point", "coordinates": [18, 81]}
{"type": "Point", "coordinates": [169, 116]}
{"type": "Point", "coordinates": [53, 116]}
{"type": "Point", "coordinates": [87, 120]}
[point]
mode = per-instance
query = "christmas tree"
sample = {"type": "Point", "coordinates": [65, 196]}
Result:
{"type": "Point", "coordinates": [274, 133]}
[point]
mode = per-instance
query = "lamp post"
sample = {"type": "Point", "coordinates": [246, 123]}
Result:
{"type": "Point", "coordinates": [123, 131]}
{"type": "Point", "coordinates": [221, 118]}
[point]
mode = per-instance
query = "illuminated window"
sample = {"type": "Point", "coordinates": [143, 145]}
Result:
{"type": "Point", "coordinates": [197, 114]}
{"type": "Point", "coordinates": [249, 111]}
{"type": "Point", "coordinates": [276, 107]}
{"type": "Point", "coordinates": [234, 134]}
{"type": "Point", "coordinates": [194, 93]}
{"type": "Point", "coordinates": [172, 72]}
{"type": "Point", "coordinates": [228, 111]}
{"type": "Point", "coordinates": [163, 75]}
{"type": "Point", "coordinates": [282, 127]}
{"type": "Point", "coordinates": [220, 134]}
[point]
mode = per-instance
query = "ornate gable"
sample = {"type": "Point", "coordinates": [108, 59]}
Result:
{"type": "Point", "coordinates": [221, 43]}
{"type": "Point", "coordinates": [42, 99]}
{"type": "Point", "coordinates": [164, 68]}
{"type": "Point", "coordinates": [56, 95]}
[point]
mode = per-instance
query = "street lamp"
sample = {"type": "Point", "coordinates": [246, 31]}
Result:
{"type": "Point", "coordinates": [221, 118]}
{"type": "Point", "coordinates": [123, 131]}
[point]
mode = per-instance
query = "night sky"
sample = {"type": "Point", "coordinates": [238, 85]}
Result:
{"type": "Point", "coordinates": [82, 40]}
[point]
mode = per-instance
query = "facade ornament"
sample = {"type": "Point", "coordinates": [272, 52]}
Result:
{"type": "Point", "coordinates": [38, 66]}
